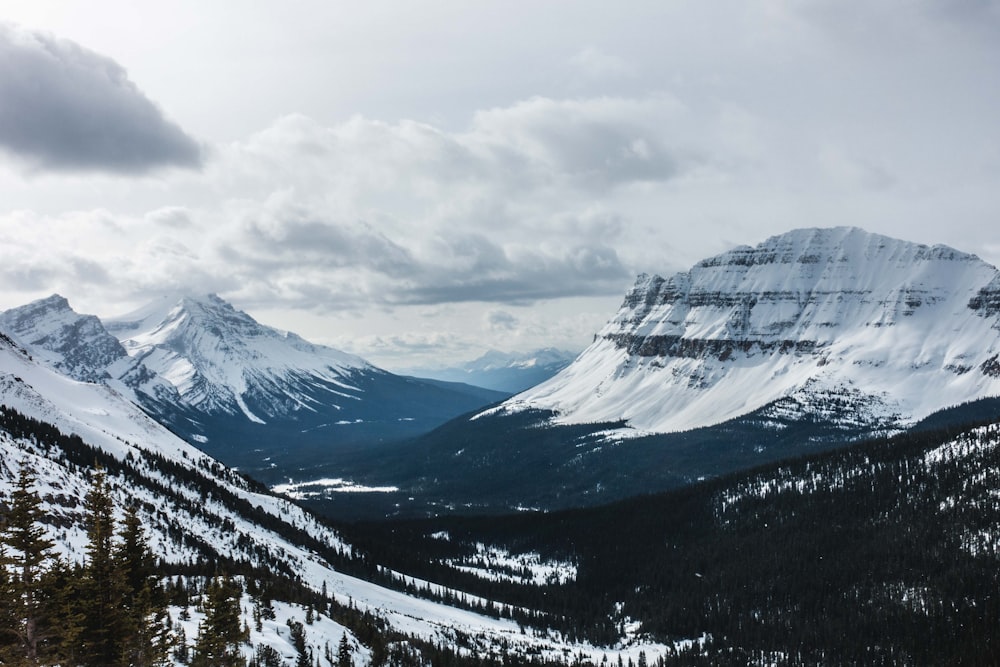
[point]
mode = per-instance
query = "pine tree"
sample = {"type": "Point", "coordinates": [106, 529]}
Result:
{"type": "Point", "coordinates": [67, 603]}
{"type": "Point", "coordinates": [181, 652]}
{"type": "Point", "coordinates": [28, 553]}
{"type": "Point", "coordinates": [298, 636]}
{"type": "Point", "coordinates": [145, 639]}
{"type": "Point", "coordinates": [103, 582]}
{"type": "Point", "coordinates": [266, 656]}
{"type": "Point", "coordinates": [7, 623]}
{"type": "Point", "coordinates": [221, 633]}
{"type": "Point", "coordinates": [344, 652]}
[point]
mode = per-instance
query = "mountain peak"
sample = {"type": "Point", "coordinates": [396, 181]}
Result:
{"type": "Point", "coordinates": [802, 315]}
{"type": "Point", "coordinates": [74, 344]}
{"type": "Point", "coordinates": [218, 357]}
{"type": "Point", "coordinates": [53, 301]}
{"type": "Point", "coordinates": [209, 301]}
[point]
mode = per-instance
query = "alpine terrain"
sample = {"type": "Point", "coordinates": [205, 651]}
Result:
{"type": "Point", "coordinates": [252, 395]}
{"type": "Point", "coordinates": [300, 590]}
{"type": "Point", "coordinates": [121, 543]}
{"type": "Point", "coordinates": [813, 338]}
{"type": "Point", "coordinates": [837, 324]}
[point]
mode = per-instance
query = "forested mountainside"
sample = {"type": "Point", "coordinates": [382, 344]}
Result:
{"type": "Point", "coordinates": [208, 527]}
{"type": "Point", "coordinates": [883, 553]}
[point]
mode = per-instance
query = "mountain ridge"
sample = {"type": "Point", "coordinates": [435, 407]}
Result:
{"type": "Point", "coordinates": [253, 395]}
{"type": "Point", "coordinates": [510, 372]}
{"type": "Point", "coordinates": [814, 311]}
{"type": "Point", "coordinates": [811, 340]}
{"type": "Point", "coordinates": [200, 517]}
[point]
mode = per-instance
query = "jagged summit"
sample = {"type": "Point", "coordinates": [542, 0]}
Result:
{"type": "Point", "coordinates": [74, 344]}
{"type": "Point", "coordinates": [249, 393]}
{"type": "Point", "coordinates": [217, 356]}
{"type": "Point", "coordinates": [894, 330]}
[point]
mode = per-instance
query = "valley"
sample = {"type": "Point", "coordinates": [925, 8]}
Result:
{"type": "Point", "coordinates": [787, 455]}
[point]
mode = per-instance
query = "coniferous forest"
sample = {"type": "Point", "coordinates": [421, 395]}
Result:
{"type": "Point", "coordinates": [881, 553]}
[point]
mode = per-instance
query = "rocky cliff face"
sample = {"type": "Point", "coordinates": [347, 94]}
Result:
{"type": "Point", "coordinates": [74, 344]}
{"type": "Point", "coordinates": [808, 320]}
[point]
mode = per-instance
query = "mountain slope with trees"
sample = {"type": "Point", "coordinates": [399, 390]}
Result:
{"type": "Point", "coordinates": [883, 553]}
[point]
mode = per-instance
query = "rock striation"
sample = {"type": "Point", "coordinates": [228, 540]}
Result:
{"type": "Point", "coordinates": [806, 321]}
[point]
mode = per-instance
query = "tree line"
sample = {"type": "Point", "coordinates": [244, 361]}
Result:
{"type": "Point", "coordinates": [109, 610]}
{"type": "Point", "coordinates": [881, 553]}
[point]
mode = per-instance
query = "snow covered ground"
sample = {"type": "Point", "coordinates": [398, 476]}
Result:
{"type": "Point", "coordinates": [105, 420]}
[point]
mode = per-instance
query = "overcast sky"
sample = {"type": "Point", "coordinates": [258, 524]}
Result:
{"type": "Point", "coordinates": [421, 181]}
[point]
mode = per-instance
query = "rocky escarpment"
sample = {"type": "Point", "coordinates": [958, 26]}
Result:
{"type": "Point", "coordinates": [987, 301]}
{"type": "Point", "coordinates": [788, 295]}
{"type": "Point", "coordinates": [804, 316]}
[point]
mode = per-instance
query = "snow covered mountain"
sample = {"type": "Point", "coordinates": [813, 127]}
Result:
{"type": "Point", "coordinates": [199, 514]}
{"type": "Point", "coordinates": [812, 339]}
{"type": "Point", "coordinates": [509, 372]}
{"type": "Point", "coordinates": [250, 394]}
{"type": "Point", "coordinates": [837, 324]}
{"type": "Point", "coordinates": [77, 345]}
{"type": "Point", "coordinates": [221, 360]}
{"type": "Point", "coordinates": [80, 347]}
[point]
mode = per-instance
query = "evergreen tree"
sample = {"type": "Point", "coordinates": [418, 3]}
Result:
{"type": "Point", "coordinates": [28, 554]}
{"type": "Point", "coordinates": [298, 636]}
{"type": "Point", "coordinates": [344, 652]}
{"type": "Point", "coordinates": [103, 582]}
{"type": "Point", "coordinates": [266, 656]}
{"type": "Point", "coordinates": [7, 624]}
{"type": "Point", "coordinates": [221, 633]}
{"type": "Point", "coordinates": [145, 639]}
{"type": "Point", "coordinates": [181, 652]}
{"type": "Point", "coordinates": [67, 603]}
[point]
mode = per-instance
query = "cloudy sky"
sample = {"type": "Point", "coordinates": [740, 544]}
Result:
{"type": "Point", "coordinates": [421, 181]}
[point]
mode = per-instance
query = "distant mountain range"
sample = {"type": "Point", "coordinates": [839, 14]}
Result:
{"type": "Point", "coordinates": [813, 338]}
{"type": "Point", "coordinates": [508, 372]}
{"type": "Point", "coordinates": [249, 394]}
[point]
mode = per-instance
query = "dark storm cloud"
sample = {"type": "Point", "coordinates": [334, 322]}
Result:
{"type": "Point", "coordinates": [290, 246]}
{"type": "Point", "coordinates": [64, 107]}
{"type": "Point", "coordinates": [313, 242]}
{"type": "Point", "coordinates": [519, 278]}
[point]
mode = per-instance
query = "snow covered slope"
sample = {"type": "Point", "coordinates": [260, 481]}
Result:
{"type": "Point", "coordinates": [250, 394]}
{"type": "Point", "coordinates": [834, 324]}
{"type": "Point", "coordinates": [218, 358]}
{"type": "Point", "coordinates": [194, 509]}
